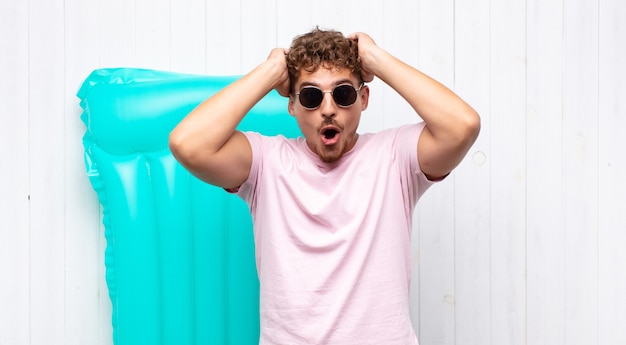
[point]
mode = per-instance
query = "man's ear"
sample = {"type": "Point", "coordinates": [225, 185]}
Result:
{"type": "Point", "coordinates": [365, 96]}
{"type": "Point", "coordinates": [290, 106]}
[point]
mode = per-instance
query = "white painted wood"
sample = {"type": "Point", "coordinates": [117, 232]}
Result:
{"type": "Point", "coordinates": [188, 35]}
{"type": "Point", "coordinates": [223, 34]}
{"type": "Point", "coordinates": [368, 18]}
{"type": "Point", "coordinates": [14, 171]}
{"type": "Point", "coordinates": [83, 315]}
{"type": "Point", "coordinates": [258, 32]}
{"type": "Point", "coordinates": [522, 244]}
{"type": "Point", "coordinates": [117, 33]}
{"type": "Point", "coordinates": [506, 128]}
{"type": "Point", "coordinates": [611, 170]}
{"type": "Point", "coordinates": [153, 37]}
{"type": "Point", "coordinates": [435, 211]}
{"type": "Point", "coordinates": [299, 17]}
{"type": "Point", "coordinates": [47, 170]}
{"type": "Point", "coordinates": [544, 168]}
{"type": "Point", "coordinates": [580, 164]}
{"type": "Point", "coordinates": [401, 39]}
{"type": "Point", "coordinates": [471, 179]}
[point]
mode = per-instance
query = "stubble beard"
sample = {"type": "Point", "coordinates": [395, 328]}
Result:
{"type": "Point", "coordinates": [330, 154]}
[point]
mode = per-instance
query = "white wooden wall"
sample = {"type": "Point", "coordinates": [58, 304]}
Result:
{"type": "Point", "coordinates": [523, 244]}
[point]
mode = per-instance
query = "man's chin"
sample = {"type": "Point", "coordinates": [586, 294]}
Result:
{"type": "Point", "coordinates": [329, 155]}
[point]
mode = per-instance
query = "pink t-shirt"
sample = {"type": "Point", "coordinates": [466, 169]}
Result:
{"type": "Point", "coordinates": [333, 240]}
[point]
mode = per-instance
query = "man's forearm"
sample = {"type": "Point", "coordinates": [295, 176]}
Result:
{"type": "Point", "coordinates": [214, 121]}
{"type": "Point", "coordinates": [444, 112]}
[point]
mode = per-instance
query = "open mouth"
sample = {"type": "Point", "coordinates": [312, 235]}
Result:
{"type": "Point", "coordinates": [329, 135]}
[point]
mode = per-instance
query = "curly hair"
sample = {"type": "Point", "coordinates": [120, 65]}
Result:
{"type": "Point", "coordinates": [322, 48]}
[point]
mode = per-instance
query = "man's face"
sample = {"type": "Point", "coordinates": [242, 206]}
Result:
{"type": "Point", "coordinates": [329, 129]}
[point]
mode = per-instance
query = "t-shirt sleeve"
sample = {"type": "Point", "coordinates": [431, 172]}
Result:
{"type": "Point", "coordinates": [406, 142]}
{"type": "Point", "coordinates": [247, 190]}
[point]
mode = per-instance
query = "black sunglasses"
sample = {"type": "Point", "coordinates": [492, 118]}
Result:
{"type": "Point", "coordinates": [344, 95]}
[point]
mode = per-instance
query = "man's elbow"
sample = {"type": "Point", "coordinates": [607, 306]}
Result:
{"type": "Point", "coordinates": [471, 126]}
{"type": "Point", "coordinates": [175, 144]}
{"type": "Point", "coordinates": [180, 148]}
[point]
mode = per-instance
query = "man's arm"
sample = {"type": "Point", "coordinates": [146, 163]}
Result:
{"type": "Point", "coordinates": [452, 125]}
{"type": "Point", "coordinates": [206, 141]}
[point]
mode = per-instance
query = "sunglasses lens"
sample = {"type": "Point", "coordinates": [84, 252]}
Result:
{"type": "Point", "coordinates": [311, 97]}
{"type": "Point", "coordinates": [344, 95]}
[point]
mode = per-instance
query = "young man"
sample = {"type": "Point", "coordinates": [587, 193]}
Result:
{"type": "Point", "coordinates": [332, 211]}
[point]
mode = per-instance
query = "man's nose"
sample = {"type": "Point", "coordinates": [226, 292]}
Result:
{"type": "Point", "coordinates": [328, 106]}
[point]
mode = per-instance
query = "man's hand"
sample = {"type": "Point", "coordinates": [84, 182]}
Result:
{"type": "Point", "coordinates": [367, 50]}
{"type": "Point", "coordinates": [207, 142]}
{"type": "Point", "coordinates": [279, 57]}
{"type": "Point", "coordinates": [451, 124]}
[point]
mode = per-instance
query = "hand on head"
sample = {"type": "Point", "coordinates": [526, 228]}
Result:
{"type": "Point", "coordinates": [279, 56]}
{"type": "Point", "coordinates": [365, 45]}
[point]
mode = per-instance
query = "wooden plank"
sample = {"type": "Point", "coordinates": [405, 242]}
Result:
{"type": "Point", "coordinates": [117, 33]}
{"type": "Point", "coordinates": [188, 35]}
{"type": "Point", "coordinates": [580, 163]}
{"type": "Point", "coordinates": [223, 34]}
{"type": "Point", "coordinates": [367, 18]}
{"type": "Point", "coordinates": [612, 169]}
{"type": "Point", "coordinates": [14, 183]}
{"type": "Point", "coordinates": [399, 38]}
{"type": "Point", "coordinates": [472, 178]}
{"type": "Point", "coordinates": [83, 314]}
{"type": "Point", "coordinates": [507, 193]}
{"type": "Point", "coordinates": [47, 171]}
{"type": "Point", "coordinates": [544, 203]}
{"type": "Point", "coordinates": [258, 33]}
{"type": "Point", "coordinates": [152, 34]}
{"type": "Point", "coordinates": [295, 18]}
{"type": "Point", "coordinates": [327, 14]}
{"type": "Point", "coordinates": [549, 135]}
{"type": "Point", "coordinates": [434, 221]}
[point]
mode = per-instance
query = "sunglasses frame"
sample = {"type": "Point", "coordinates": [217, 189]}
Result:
{"type": "Point", "coordinates": [332, 93]}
